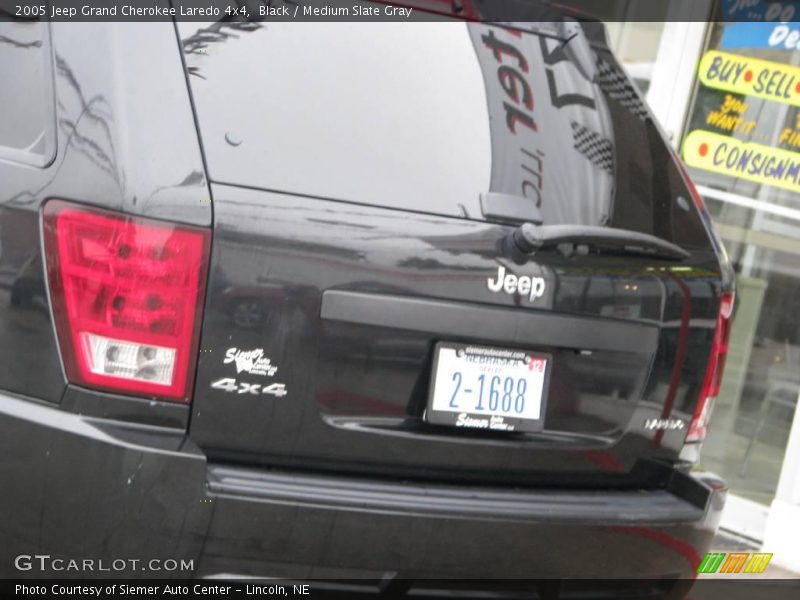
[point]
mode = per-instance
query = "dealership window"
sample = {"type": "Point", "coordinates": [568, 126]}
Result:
{"type": "Point", "coordinates": [759, 222]}
{"type": "Point", "coordinates": [26, 120]}
{"type": "Point", "coordinates": [742, 143]}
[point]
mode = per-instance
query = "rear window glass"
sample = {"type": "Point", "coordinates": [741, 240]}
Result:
{"type": "Point", "coordinates": [378, 113]}
{"type": "Point", "coordinates": [430, 117]}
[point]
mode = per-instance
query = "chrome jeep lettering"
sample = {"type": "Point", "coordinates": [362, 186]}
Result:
{"type": "Point", "coordinates": [497, 285]}
{"type": "Point", "coordinates": [532, 287]}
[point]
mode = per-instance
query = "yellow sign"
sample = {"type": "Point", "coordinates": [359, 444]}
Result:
{"type": "Point", "coordinates": [751, 77]}
{"type": "Point", "coordinates": [747, 160]}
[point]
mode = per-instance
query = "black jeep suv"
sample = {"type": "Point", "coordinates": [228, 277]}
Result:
{"type": "Point", "coordinates": [350, 300]}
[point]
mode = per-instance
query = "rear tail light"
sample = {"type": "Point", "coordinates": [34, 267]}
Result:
{"type": "Point", "coordinates": [127, 295]}
{"type": "Point", "coordinates": [719, 348]}
{"type": "Point", "coordinates": [713, 377]}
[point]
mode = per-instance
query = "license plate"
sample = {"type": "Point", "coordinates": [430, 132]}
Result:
{"type": "Point", "coordinates": [488, 388]}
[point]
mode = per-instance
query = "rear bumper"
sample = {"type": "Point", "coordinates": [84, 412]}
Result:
{"type": "Point", "coordinates": [80, 487]}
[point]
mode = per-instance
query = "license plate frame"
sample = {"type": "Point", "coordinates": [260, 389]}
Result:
{"type": "Point", "coordinates": [444, 353]}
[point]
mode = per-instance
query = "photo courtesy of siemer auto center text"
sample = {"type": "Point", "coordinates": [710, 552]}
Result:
{"type": "Point", "coordinates": [481, 299]}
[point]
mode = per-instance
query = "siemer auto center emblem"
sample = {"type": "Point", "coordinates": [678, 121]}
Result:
{"type": "Point", "coordinates": [530, 286]}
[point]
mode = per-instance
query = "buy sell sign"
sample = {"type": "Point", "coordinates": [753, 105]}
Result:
{"type": "Point", "coordinates": [751, 77]}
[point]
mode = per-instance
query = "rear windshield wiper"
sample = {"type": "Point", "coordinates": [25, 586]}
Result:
{"type": "Point", "coordinates": [528, 239]}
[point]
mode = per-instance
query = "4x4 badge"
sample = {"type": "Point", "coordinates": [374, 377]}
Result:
{"type": "Point", "coordinates": [533, 287]}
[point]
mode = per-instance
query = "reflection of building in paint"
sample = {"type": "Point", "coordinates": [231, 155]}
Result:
{"type": "Point", "coordinates": [537, 97]}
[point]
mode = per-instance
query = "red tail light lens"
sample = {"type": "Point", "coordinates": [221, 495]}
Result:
{"type": "Point", "coordinates": [713, 377]}
{"type": "Point", "coordinates": [127, 295]}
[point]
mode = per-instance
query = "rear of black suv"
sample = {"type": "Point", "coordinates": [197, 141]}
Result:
{"type": "Point", "coordinates": [369, 301]}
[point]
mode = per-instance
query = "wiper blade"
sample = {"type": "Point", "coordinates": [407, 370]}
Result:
{"type": "Point", "coordinates": [529, 239]}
